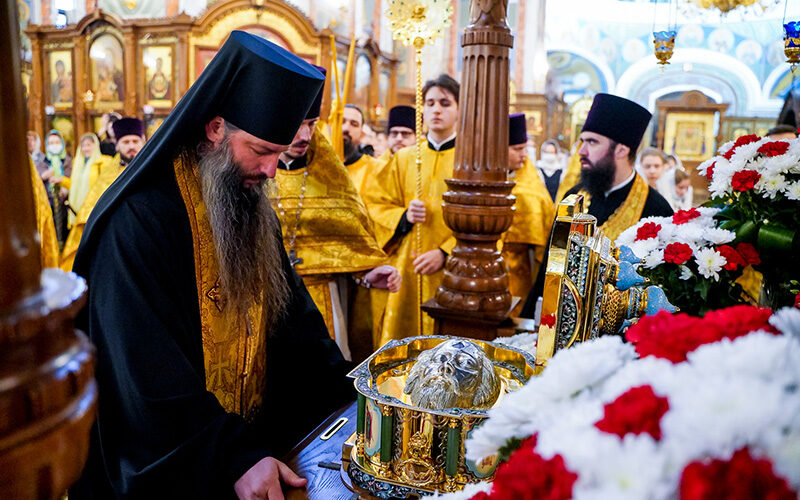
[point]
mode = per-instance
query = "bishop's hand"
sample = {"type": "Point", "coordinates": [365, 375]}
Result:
{"type": "Point", "coordinates": [263, 481]}
{"type": "Point", "coordinates": [384, 277]}
{"type": "Point", "coordinates": [416, 211]}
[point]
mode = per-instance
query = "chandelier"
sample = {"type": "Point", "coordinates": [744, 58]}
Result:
{"type": "Point", "coordinates": [725, 6]}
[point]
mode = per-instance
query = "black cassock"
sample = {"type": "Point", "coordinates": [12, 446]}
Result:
{"type": "Point", "coordinates": [159, 433]}
{"type": "Point", "coordinates": [602, 208]}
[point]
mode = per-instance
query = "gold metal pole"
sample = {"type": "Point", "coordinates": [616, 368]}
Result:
{"type": "Point", "coordinates": [418, 44]}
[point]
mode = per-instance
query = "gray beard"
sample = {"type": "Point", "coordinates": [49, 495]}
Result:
{"type": "Point", "coordinates": [245, 231]}
{"type": "Point", "coordinates": [437, 393]}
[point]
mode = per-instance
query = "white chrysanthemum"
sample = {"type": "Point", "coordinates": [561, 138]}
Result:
{"type": "Point", "coordinates": [469, 491]}
{"type": "Point", "coordinates": [643, 247]}
{"type": "Point", "coordinates": [772, 358]}
{"type": "Point", "coordinates": [686, 273]}
{"type": "Point", "coordinates": [523, 341]}
{"type": "Point", "coordinates": [771, 185]}
{"type": "Point", "coordinates": [793, 190]}
{"type": "Point", "coordinates": [744, 154]}
{"type": "Point", "coordinates": [690, 233]}
{"type": "Point", "coordinates": [654, 258]}
{"type": "Point", "coordinates": [709, 262]}
{"type": "Point", "coordinates": [721, 181]}
{"type": "Point", "coordinates": [718, 236]}
{"type": "Point", "coordinates": [661, 374]}
{"type": "Point", "coordinates": [725, 147]}
{"type": "Point", "coordinates": [787, 320]}
{"type": "Point", "coordinates": [719, 414]}
{"type": "Point", "coordinates": [631, 468]}
{"type": "Point", "coordinates": [703, 167]}
{"type": "Point", "coordinates": [785, 455]}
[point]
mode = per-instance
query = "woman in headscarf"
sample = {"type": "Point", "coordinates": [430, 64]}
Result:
{"type": "Point", "coordinates": [675, 186]}
{"type": "Point", "coordinates": [85, 169]}
{"type": "Point", "coordinates": [55, 171]}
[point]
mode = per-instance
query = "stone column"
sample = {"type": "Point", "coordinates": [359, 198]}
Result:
{"type": "Point", "coordinates": [47, 394]}
{"type": "Point", "coordinates": [478, 205]}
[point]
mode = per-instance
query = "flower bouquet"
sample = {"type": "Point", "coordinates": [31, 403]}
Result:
{"type": "Point", "coordinates": [691, 408]}
{"type": "Point", "coordinates": [690, 258]}
{"type": "Point", "coordinates": [756, 184]}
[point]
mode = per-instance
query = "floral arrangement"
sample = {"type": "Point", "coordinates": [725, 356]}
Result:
{"type": "Point", "coordinates": [690, 408]}
{"type": "Point", "coordinates": [756, 183]}
{"type": "Point", "coordinates": [695, 262]}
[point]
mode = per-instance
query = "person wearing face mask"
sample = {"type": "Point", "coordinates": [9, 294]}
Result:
{"type": "Point", "coordinates": [391, 199]}
{"type": "Point", "coordinates": [130, 132]}
{"type": "Point", "coordinates": [524, 244]}
{"type": "Point", "coordinates": [55, 170]}
{"type": "Point", "coordinates": [329, 238]}
{"type": "Point", "coordinates": [551, 167]}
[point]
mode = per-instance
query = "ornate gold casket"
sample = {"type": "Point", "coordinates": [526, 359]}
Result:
{"type": "Point", "coordinates": [403, 451]}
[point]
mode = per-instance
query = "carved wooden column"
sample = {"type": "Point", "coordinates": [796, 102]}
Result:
{"type": "Point", "coordinates": [47, 394]}
{"type": "Point", "coordinates": [473, 298]}
{"type": "Point", "coordinates": [129, 55]}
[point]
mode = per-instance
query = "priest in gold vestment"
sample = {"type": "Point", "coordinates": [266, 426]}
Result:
{"type": "Point", "coordinates": [525, 242]}
{"type": "Point", "coordinates": [360, 166]}
{"type": "Point", "coordinates": [395, 209]}
{"type": "Point", "coordinates": [130, 134]}
{"type": "Point", "coordinates": [212, 360]}
{"type": "Point", "coordinates": [329, 238]}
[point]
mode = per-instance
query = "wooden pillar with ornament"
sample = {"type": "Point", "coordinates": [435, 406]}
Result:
{"type": "Point", "coordinates": [47, 393]}
{"type": "Point", "coordinates": [473, 299]}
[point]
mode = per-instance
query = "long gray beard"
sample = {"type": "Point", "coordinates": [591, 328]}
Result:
{"type": "Point", "coordinates": [245, 231]}
{"type": "Point", "coordinates": [437, 393]}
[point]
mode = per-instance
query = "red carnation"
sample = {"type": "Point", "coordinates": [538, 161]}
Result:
{"type": "Point", "coordinates": [741, 141]}
{"type": "Point", "coordinates": [481, 495]}
{"type": "Point", "coordinates": [749, 253]}
{"type": "Point", "coordinates": [744, 180]}
{"type": "Point", "coordinates": [528, 476]}
{"type": "Point", "coordinates": [740, 477]}
{"type": "Point", "coordinates": [774, 148]}
{"type": "Point", "coordinates": [797, 300]}
{"type": "Point", "coordinates": [710, 171]}
{"type": "Point", "coordinates": [684, 216]}
{"type": "Point", "coordinates": [677, 253]}
{"type": "Point", "coordinates": [647, 230]}
{"type": "Point", "coordinates": [636, 411]}
{"type": "Point", "coordinates": [735, 321]}
{"type": "Point", "coordinates": [669, 336]}
{"type": "Point", "coordinates": [548, 320]}
{"type": "Point", "coordinates": [733, 258]}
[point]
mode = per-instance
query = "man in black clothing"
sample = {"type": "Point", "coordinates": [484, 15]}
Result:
{"type": "Point", "coordinates": [212, 360]}
{"type": "Point", "coordinates": [612, 190]}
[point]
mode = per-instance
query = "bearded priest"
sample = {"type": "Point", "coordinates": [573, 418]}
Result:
{"type": "Point", "coordinates": [611, 189]}
{"type": "Point", "coordinates": [212, 359]}
{"type": "Point", "coordinates": [329, 238]}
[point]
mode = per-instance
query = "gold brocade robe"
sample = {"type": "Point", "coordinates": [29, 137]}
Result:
{"type": "Point", "coordinates": [333, 237]}
{"type": "Point", "coordinates": [525, 241]}
{"type": "Point", "coordinates": [361, 170]}
{"type": "Point", "coordinates": [233, 341]}
{"type": "Point", "coordinates": [44, 221]}
{"type": "Point", "coordinates": [109, 171]}
{"type": "Point", "coordinates": [387, 196]}
{"type": "Point", "coordinates": [384, 158]}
